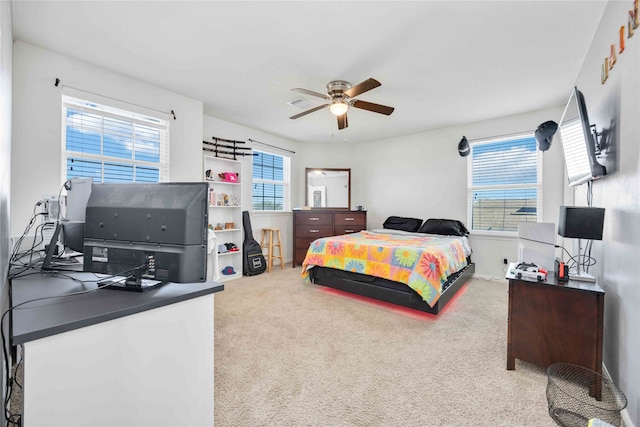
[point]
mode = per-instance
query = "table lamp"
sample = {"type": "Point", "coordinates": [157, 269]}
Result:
{"type": "Point", "coordinates": [581, 223]}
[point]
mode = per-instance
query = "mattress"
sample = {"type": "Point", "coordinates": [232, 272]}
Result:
{"type": "Point", "coordinates": [393, 259]}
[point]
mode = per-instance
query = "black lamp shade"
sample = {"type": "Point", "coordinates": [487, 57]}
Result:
{"type": "Point", "coordinates": [581, 222]}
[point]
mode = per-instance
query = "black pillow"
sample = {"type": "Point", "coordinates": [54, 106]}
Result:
{"type": "Point", "coordinates": [446, 227]}
{"type": "Point", "coordinates": [402, 223]}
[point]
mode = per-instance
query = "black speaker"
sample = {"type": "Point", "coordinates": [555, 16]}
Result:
{"type": "Point", "coordinates": [581, 222]}
{"type": "Point", "coordinates": [544, 134]}
{"type": "Point", "coordinates": [463, 147]}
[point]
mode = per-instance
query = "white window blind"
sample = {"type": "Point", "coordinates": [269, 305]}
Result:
{"type": "Point", "coordinates": [113, 145]}
{"type": "Point", "coordinates": [270, 182]}
{"type": "Point", "coordinates": [504, 183]}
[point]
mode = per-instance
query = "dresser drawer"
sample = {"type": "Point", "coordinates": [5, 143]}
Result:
{"type": "Point", "coordinates": [350, 218]}
{"type": "Point", "coordinates": [314, 230]}
{"type": "Point", "coordinates": [347, 229]}
{"type": "Point", "coordinates": [309, 225]}
{"type": "Point", "coordinates": [313, 219]}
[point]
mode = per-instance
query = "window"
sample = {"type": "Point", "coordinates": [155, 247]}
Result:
{"type": "Point", "coordinates": [271, 178]}
{"type": "Point", "coordinates": [505, 183]}
{"type": "Point", "coordinates": [113, 145]}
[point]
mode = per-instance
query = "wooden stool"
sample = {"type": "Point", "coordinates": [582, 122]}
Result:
{"type": "Point", "coordinates": [268, 242]}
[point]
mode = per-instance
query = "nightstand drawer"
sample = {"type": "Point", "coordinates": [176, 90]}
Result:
{"type": "Point", "coordinates": [550, 322]}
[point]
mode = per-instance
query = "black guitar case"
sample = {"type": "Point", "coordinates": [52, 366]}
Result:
{"type": "Point", "coordinates": [253, 262]}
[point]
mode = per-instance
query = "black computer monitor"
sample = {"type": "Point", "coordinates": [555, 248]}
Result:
{"type": "Point", "coordinates": [152, 231]}
{"type": "Point", "coordinates": [69, 228]}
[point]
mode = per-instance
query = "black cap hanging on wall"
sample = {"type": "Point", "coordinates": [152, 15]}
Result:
{"type": "Point", "coordinates": [463, 147]}
{"type": "Point", "coordinates": [544, 134]}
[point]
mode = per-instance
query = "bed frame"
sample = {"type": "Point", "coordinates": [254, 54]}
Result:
{"type": "Point", "coordinates": [388, 291]}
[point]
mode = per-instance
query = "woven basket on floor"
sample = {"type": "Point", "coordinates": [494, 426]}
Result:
{"type": "Point", "coordinates": [576, 394]}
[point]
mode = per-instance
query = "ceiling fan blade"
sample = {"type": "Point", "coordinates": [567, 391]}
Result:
{"type": "Point", "coordinates": [362, 87]}
{"type": "Point", "coordinates": [370, 106]}
{"type": "Point", "coordinates": [342, 121]}
{"type": "Point", "coordinates": [310, 92]}
{"type": "Point", "coordinates": [304, 113]}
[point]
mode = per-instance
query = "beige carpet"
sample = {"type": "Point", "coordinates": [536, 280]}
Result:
{"type": "Point", "coordinates": [288, 353]}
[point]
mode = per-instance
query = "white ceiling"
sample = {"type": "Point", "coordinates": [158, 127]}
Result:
{"type": "Point", "coordinates": [441, 63]}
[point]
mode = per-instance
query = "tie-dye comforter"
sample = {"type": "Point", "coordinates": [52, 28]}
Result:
{"type": "Point", "coordinates": [423, 262]}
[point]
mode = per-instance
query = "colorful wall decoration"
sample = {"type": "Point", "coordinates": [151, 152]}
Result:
{"type": "Point", "coordinates": [633, 21]}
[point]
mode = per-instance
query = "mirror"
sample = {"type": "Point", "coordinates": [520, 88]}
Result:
{"type": "Point", "coordinates": [328, 188]}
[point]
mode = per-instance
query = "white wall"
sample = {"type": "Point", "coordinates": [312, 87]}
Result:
{"type": "Point", "coordinates": [423, 176]}
{"type": "Point", "coordinates": [214, 127]}
{"type": "Point", "coordinates": [37, 123]}
{"type": "Point", "coordinates": [6, 55]}
{"type": "Point", "coordinates": [616, 106]}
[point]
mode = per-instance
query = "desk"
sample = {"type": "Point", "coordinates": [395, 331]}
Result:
{"type": "Point", "coordinates": [114, 357]}
{"type": "Point", "coordinates": [553, 322]}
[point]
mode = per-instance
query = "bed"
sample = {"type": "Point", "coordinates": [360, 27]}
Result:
{"type": "Point", "coordinates": [407, 263]}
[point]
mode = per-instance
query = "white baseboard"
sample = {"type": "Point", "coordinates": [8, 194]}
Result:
{"type": "Point", "coordinates": [624, 413]}
{"type": "Point", "coordinates": [485, 277]}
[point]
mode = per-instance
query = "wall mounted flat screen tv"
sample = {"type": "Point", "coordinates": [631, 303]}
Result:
{"type": "Point", "coordinates": [579, 142]}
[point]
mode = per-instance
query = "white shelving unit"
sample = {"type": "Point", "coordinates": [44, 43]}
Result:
{"type": "Point", "coordinates": [225, 213]}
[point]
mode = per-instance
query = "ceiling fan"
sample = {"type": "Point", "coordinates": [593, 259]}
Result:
{"type": "Point", "coordinates": [341, 95]}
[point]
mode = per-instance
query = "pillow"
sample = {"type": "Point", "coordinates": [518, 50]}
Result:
{"type": "Point", "coordinates": [446, 227]}
{"type": "Point", "coordinates": [394, 232]}
{"type": "Point", "coordinates": [402, 223]}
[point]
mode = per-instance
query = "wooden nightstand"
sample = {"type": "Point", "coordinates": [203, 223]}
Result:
{"type": "Point", "coordinates": [553, 322]}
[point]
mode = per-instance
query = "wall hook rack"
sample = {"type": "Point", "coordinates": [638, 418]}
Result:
{"type": "Point", "coordinates": [227, 147]}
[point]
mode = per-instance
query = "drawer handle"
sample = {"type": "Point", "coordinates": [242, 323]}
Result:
{"type": "Point", "coordinates": [314, 231]}
{"type": "Point", "coordinates": [349, 231]}
{"type": "Point", "coordinates": [314, 219]}
{"type": "Point", "coordinates": [349, 219]}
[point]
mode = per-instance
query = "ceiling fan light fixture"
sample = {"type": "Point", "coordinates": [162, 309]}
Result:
{"type": "Point", "coordinates": [338, 107]}
{"type": "Point", "coordinates": [341, 97]}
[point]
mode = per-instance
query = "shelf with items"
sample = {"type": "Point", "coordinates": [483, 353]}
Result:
{"type": "Point", "coordinates": [221, 198]}
{"type": "Point", "coordinates": [222, 171]}
{"type": "Point", "coordinates": [225, 211]}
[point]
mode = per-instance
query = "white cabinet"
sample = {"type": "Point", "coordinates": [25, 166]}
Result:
{"type": "Point", "coordinates": [225, 212]}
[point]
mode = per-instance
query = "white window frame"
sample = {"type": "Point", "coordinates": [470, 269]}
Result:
{"type": "Point", "coordinates": [471, 189]}
{"type": "Point", "coordinates": [286, 183]}
{"type": "Point", "coordinates": [108, 111]}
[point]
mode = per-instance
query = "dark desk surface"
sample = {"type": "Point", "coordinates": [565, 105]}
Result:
{"type": "Point", "coordinates": [553, 281]}
{"type": "Point", "coordinates": [40, 319]}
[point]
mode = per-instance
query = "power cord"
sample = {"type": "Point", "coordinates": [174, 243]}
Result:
{"type": "Point", "coordinates": [17, 256]}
